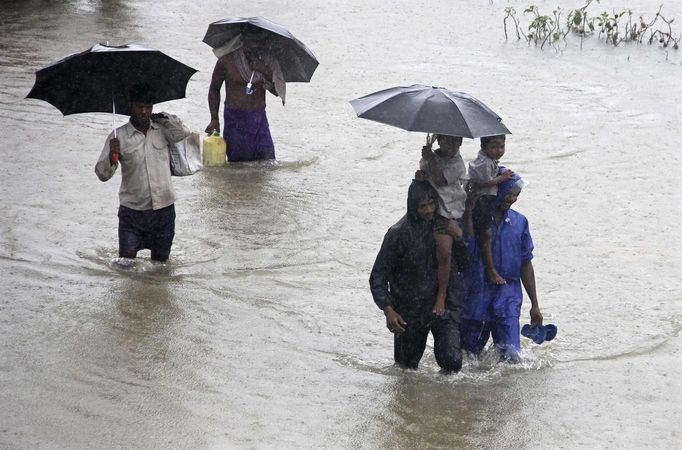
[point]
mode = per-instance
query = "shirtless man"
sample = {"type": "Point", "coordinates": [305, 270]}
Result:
{"type": "Point", "coordinates": [246, 127]}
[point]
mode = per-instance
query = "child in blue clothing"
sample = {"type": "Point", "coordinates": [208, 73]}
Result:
{"type": "Point", "coordinates": [483, 181]}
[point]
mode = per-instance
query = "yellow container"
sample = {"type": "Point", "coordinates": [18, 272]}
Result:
{"type": "Point", "coordinates": [215, 150]}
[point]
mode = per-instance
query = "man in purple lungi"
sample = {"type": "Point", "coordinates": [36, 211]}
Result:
{"type": "Point", "coordinates": [246, 76]}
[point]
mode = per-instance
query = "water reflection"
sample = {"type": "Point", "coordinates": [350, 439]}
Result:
{"type": "Point", "coordinates": [446, 412]}
{"type": "Point", "coordinates": [38, 8]}
{"type": "Point", "coordinates": [96, 21]}
{"type": "Point", "coordinates": [228, 189]}
{"type": "Point", "coordinates": [146, 318]}
{"type": "Point", "coordinates": [133, 328]}
{"type": "Point", "coordinates": [254, 205]}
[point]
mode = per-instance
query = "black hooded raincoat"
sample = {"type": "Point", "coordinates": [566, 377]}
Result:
{"type": "Point", "coordinates": [405, 277]}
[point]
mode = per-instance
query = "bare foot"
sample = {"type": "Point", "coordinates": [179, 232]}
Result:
{"type": "Point", "coordinates": [439, 307]}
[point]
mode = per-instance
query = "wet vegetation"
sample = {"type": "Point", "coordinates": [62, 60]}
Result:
{"type": "Point", "coordinates": [612, 27]}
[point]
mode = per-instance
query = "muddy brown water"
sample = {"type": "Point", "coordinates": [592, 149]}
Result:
{"type": "Point", "coordinates": [261, 332]}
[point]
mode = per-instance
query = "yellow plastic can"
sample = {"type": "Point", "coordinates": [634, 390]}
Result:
{"type": "Point", "coordinates": [215, 150]}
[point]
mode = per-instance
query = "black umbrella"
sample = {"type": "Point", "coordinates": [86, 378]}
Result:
{"type": "Point", "coordinates": [430, 110]}
{"type": "Point", "coordinates": [295, 59]}
{"type": "Point", "coordinates": [99, 79]}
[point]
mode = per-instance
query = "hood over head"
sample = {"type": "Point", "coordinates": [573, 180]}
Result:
{"type": "Point", "coordinates": [417, 193]}
{"type": "Point", "coordinates": [505, 187]}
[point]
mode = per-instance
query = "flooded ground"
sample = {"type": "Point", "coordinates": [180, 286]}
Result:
{"type": "Point", "coordinates": [261, 332]}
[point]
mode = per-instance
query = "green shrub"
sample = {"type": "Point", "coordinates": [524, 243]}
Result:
{"type": "Point", "coordinates": [614, 28]}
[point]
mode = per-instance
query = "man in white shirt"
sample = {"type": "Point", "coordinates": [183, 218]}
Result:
{"type": "Point", "coordinates": [146, 215]}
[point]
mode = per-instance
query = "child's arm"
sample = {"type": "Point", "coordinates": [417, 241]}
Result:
{"type": "Point", "coordinates": [436, 174]}
{"type": "Point", "coordinates": [468, 219]}
{"type": "Point", "coordinates": [427, 152]}
{"type": "Point", "coordinates": [432, 170]}
{"type": "Point", "coordinates": [504, 176]}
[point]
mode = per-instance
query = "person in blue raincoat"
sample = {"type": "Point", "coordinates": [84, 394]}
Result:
{"type": "Point", "coordinates": [495, 310]}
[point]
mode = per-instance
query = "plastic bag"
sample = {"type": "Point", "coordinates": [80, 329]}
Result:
{"type": "Point", "coordinates": [185, 156]}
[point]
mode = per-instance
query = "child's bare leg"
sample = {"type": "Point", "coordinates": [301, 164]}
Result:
{"type": "Point", "coordinates": [487, 248]}
{"type": "Point", "coordinates": [443, 255]}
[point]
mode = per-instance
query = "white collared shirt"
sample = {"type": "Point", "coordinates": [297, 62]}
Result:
{"type": "Point", "coordinates": [482, 170]}
{"type": "Point", "coordinates": [145, 166]}
{"type": "Point", "coordinates": [452, 196]}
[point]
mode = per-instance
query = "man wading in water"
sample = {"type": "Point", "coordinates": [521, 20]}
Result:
{"type": "Point", "coordinates": [246, 76]}
{"type": "Point", "coordinates": [404, 284]}
{"type": "Point", "coordinates": [146, 215]}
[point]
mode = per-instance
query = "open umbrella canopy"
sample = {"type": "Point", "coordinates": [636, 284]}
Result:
{"type": "Point", "coordinates": [99, 78]}
{"type": "Point", "coordinates": [431, 110]}
{"type": "Point", "coordinates": [295, 59]}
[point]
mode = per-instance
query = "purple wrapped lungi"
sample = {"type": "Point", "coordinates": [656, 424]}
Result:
{"type": "Point", "coordinates": [247, 133]}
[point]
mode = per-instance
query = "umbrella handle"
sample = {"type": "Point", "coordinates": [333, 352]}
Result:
{"type": "Point", "coordinates": [430, 139]}
{"type": "Point", "coordinates": [115, 156]}
{"type": "Point", "coordinates": [113, 109]}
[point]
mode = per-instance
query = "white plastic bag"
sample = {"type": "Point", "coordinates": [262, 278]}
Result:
{"type": "Point", "coordinates": [185, 155]}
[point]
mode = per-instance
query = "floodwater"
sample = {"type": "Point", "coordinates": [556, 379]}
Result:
{"type": "Point", "coordinates": [261, 332]}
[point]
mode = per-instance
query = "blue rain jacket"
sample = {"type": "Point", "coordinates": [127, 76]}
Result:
{"type": "Point", "coordinates": [512, 247]}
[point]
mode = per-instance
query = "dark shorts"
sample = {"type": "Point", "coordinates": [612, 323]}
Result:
{"type": "Point", "coordinates": [150, 229]}
{"type": "Point", "coordinates": [482, 213]}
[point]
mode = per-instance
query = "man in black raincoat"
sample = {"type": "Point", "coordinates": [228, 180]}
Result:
{"type": "Point", "coordinates": [404, 283]}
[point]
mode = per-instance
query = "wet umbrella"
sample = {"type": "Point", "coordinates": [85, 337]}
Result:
{"type": "Point", "coordinates": [99, 79]}
{"type": "Point", "coordinates": [295, 59]}
{"type": "Point", "coordinates": [430, 110]}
